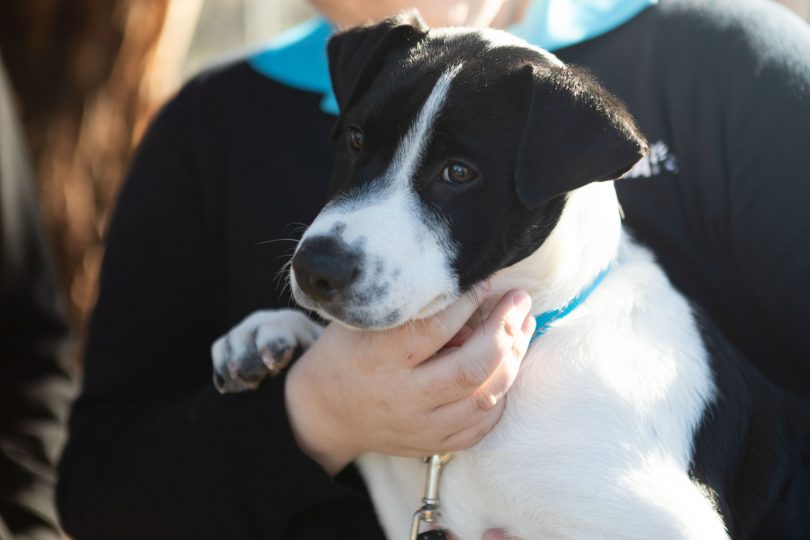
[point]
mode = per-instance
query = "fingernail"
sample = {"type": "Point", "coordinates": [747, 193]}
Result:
{"type": "Point", "coordinates": [522, 300]}
{"type": "Point", "coordinates": [529, 325]}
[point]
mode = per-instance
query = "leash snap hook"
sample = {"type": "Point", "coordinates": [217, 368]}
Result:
{"type": "Point", "coordinates": [429, 512]}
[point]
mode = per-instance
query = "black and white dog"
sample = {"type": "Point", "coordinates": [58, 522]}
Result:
{"type": "Point", "coordinates": [465, 155]}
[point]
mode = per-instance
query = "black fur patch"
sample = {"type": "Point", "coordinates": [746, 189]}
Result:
{"type": "Point", "coordinates": [482, 124]}
{"type": "Point", "coordinates": [753, 449]}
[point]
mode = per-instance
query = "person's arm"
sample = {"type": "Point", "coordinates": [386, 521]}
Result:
{"type": "Point", "coordinates": [35, 383]}
{"type": "Point", "coordinates": [154, 452]}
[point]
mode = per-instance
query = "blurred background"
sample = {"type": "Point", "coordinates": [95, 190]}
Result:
{"type": "Point", "coordinates": [89, 74]}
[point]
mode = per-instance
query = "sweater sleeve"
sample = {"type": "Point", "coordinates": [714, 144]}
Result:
{"type": "Point", "coordinates": [768, 138]}
{"type": "Point", "coordinates": [154, 452]}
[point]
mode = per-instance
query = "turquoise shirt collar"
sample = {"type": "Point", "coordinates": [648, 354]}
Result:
{"type": "Point", "coordinates": [297, 57]}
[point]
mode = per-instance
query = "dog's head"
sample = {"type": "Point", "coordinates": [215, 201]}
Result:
{"type": "Point", "coordinates": [455, 152]}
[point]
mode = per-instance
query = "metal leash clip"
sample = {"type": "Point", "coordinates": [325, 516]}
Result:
{"type": "Point", "coordinates": [429, 512]}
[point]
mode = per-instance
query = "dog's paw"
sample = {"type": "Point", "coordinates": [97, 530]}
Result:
{"type": "Point", "coordinates": [263, 344]}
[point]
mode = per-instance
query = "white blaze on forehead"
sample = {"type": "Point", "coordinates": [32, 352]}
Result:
{"type": "Point", "coordinates": [411, 149]}
{"type": "Point", "coordinates": [406, 253]}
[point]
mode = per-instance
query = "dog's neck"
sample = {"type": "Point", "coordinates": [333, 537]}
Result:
{"type": "Point", "coordinates": [584, 242]}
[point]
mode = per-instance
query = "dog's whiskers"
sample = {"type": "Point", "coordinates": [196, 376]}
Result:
{"type": "Point", "coordinates": [277, 240]}
{"type": "Point", "coordinates": [283, 274]}
{"type": "Point", "coordinates": [297, 227]}
{"type": "Point", "coordinates": [289, 253]}
{"type": "Point", "coordinates": [477, 300]}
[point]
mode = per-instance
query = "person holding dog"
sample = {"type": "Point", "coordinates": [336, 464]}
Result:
{"type": "Point", "coordinates": [242, 152]}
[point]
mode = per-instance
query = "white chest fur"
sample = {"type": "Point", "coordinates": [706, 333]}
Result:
{"type": "Point", "coordinates": [596, 438]}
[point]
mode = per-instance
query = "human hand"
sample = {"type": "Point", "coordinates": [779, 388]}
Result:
{"type": "Point", "coordinates": [401, 391]}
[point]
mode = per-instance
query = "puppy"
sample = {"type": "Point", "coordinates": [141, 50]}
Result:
{"type": "Point", "coordinates": [464, 155]}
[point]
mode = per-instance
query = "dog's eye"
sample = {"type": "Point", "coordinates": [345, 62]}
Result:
{"type": "Point", "coordinates": [356, 139]}
{"type": "Point", "coordinates": [458, 173]}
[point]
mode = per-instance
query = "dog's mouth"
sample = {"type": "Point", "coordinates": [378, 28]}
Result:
{"type": "Point", "coordinates": [369, 317]}
{"type": "Point", "coordinates": [374, 308]}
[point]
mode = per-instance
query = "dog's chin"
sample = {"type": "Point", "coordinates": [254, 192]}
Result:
{"type": "Point", "coordinates": [434, 306]}
{"type": "Point", "coordinates": [360, 319]}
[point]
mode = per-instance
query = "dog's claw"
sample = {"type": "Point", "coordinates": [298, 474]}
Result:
{"type": "Point", "coordinates": [277, 356]}
{"type": "Point", "coordinates": [263, 344]}
{"type": "Point", "coordinates": [219, 382]}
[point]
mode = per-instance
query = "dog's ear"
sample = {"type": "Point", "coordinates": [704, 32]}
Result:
{"type": "Point", "coordinates": [356, 55]}
{"type": "Point", "coordinates": [576, 133]}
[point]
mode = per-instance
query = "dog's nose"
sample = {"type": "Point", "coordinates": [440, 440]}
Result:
{"type": "Point", "coordinates": [324, 266]}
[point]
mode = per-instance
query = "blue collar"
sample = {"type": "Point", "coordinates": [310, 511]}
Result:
{"type": "Point", "coordinates": [545, 319]}
{"type": "Point", "coordinates": [297, 57]}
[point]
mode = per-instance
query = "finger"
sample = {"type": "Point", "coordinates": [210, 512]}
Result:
{"type": "Point", "coordinates": [475, 320]}
{"type": "Point", "coordinates": [469, 410]}
{"type": "Point", "coordinates": [529, 326]}
{"type": "Point", "coordinates": [499, 383]}
{"type": "Point", "coordinates": [461, 372]}
{"type": "Point", "coordinates": [427, 336]}
{"type": "Point", "coordinates": [495, 534]}
{"type": "Point", "coordinates": [460, 337]}
{"type": "Point", "coordinates": [471, 435]}
{"type": "Point", "coordinates": [458, 416]}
